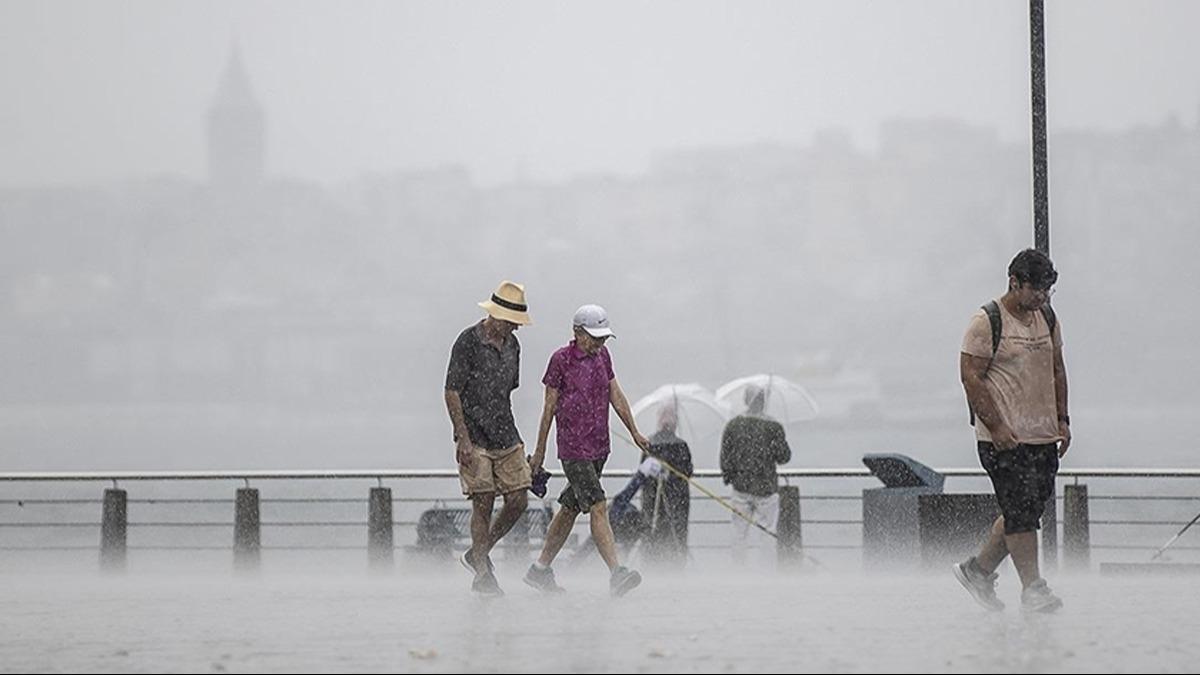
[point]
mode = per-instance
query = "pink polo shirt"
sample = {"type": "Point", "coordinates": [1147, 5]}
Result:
{"type": "Point", "coordinates": [582, 415]}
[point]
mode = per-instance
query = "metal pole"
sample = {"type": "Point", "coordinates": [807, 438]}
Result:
{"type": "Point", "coordinates": [1037, 83]}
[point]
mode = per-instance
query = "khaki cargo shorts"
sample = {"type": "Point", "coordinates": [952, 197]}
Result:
{"type": "Point", "coordinates": [499, 471]}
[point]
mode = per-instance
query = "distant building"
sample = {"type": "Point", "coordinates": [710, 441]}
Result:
{"type": "Point", "coordinates": [236, 130]}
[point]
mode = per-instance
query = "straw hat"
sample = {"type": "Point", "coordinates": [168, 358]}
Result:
{"type": "Point", "coordinates": [508, 304]}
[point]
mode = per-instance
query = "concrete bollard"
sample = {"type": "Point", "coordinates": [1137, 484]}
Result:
{"type": "Point", "coordinates": [1077, 541]}
{"type": "Point", "coordinates": [790, 542]}
{"type": "Point", "coordinates": [247, 530]}
{"type": "Point", "coordinates": [380, 543]}
{"type": "Point", "coordinates": [113, 530]}
{"type": "Point", "coordinates": [1050, 534]}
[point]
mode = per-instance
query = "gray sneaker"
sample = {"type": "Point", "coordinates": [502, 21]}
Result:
{"type": "Point", "coordinates": [623, 580]}
{"type": "Point", "coordinates": [981, 586]}
{"type": "Point", "coordinates": [465, 561]}
{"type": "Point", "coordinates": [485, 584]}
{"type": "Point", "coordinates": [1038, 597]}
{"type": "Point", "coordinates": [542, 579]}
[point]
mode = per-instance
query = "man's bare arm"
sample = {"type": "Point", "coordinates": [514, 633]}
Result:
{"type": "Point", "coordinates": [621, 405]}
{"type": "Point", "coordinates": [549, 407]}
{"type": "Point", "coordinates": [971, 370]}
{"type": "Point", "coordinates": [462, 439]}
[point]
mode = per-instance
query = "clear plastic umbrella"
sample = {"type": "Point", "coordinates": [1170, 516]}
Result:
{"type": "Point", "coordinates": [700, 417]}
{"type": "Point", "coordinates": [785, 401]}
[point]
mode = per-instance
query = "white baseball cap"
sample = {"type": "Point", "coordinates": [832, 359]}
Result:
{"type": "Point", "coordinates": [594, 320]}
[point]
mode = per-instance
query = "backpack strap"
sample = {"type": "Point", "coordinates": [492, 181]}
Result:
{"type": "Point", "coordinates": [992, 309]}
{"type": "Point", "coordinates": [993, 315]}
{"type": "Point", "coordinates": [1051, 319]}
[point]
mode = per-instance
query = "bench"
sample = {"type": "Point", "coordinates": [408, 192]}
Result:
{"type": "Point", "coordinates": [441, 529]}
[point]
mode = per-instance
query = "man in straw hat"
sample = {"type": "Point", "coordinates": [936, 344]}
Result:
{"type": "Point", "coordinates": [484, 369]}
{"type": "Point", "coordinates": [580, 386]}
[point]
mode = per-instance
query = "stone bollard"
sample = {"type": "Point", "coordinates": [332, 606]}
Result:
{"type": "Point", "coordinates": [790, 540]}
{"type": "Point", "coordinates": [113, 530]}
{"type": "Point", "coordinates": [380, 543]}
{"type": "Point", "coordinates": [247, 530]}
{"type": "Point", "coordinates": [1050, 534]}
{"type": "Point", "coordinates": [1077, 541]}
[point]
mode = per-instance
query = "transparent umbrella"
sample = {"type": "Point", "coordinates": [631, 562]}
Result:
{"type": "Point", "coordinates": [700, 417]}
{"type": "Point", "coordinates": [783, 400]}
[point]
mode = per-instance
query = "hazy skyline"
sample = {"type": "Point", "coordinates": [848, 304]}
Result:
{"type": "Point", "coordinates": [99, 92]}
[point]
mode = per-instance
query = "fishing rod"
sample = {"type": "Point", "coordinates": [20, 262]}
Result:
{"type": "Point", "coordinates": [1175, 538]}
{"type": "Point", "coordinates": [710, 494]}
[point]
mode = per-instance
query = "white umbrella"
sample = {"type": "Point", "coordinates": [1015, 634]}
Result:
{"type": "Point", "coordinates": [700, 415]}
{"type": "Point", "coordinates": [786, 401]}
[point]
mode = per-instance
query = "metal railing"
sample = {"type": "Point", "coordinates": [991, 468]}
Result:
{"type": "Point", "coordinates": [827, 511]}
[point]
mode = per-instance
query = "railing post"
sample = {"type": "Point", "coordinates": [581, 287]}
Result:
{"type": "Point", "coordinates": [790, 541]}
{"type": "Point", "coordinates": [1076, 531]}
{"type": "Point", "coordinates": [113, 530]}
{"type": "Point", "coordinates": [247, 538]}
{"type": "Point", "coordinates": [1050, 532]}
{"type": "Point", "coordinates": [380, 547]}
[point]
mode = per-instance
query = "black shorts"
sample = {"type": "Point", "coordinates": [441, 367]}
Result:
{"type": "Point", "coordinates": [1023, 479]}
{"type": "Point", "coordinates": [583, 484]}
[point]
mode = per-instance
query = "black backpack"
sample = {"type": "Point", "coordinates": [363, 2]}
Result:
{"type": "Point", "coordinates": [993, 314]}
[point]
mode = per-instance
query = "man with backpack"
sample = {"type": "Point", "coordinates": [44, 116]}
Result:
{"type": "Point", "coordinates": [1012, 369]}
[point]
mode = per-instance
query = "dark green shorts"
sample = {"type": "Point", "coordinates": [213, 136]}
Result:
{"type": "Point", "coordinates": [583, 484]}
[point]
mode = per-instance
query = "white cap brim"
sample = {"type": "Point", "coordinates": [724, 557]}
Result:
{"type": "Point", "coordinates": [599, 332]}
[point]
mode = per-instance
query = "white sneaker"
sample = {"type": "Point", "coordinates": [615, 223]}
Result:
{"type": "Point", "coordinates": [981, 586]}
{"type": "Point", "coordinates": [1039, 598]}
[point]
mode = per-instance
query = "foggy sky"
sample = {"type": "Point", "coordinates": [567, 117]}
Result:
{"type": "Point", "coordinates": [762, 275]}
{"type": "Point", "coordinates": [97, 92]}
